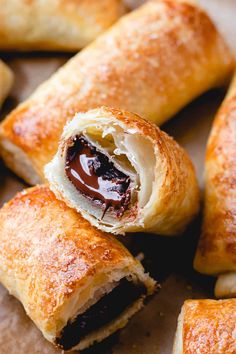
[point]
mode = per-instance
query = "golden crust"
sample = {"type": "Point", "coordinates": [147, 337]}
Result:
{"type": "Point", "coordinates": [48, 252]}
{"type": "Point", "coordinates": [55, 25]}
{"type": "Point", "coordinates": [6, 81]}
{"type": "Point", "coordinates": [209, 327]}
{"type": "Point", "coordinates": [152, 62]}
{"type": "Point", "coordinates": [216, 251]}
{"type": "Point", "coordinates": [174, 197]}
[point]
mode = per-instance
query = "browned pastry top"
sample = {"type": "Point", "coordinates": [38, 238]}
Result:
{"type": "Point", "coordinates": [217, 246]}
{"type": "Point", "coordinates": [209, 327]}
{"type": "Point", "coordinates": [53, 248]}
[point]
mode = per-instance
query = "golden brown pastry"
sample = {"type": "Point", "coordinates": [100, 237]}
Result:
{"type": "Point", "coordinates": [55, 24]}
{"type": "Point", "coordinates": [6, 81]}
{"type": "Point", "coordinates": [216, 253]}
{"type": "Point", "coordinates": [206, 327]}
{"type": "Point", "coordinates": [124, 174]}
{"type": "Point", "coordinates": [152, 62]}
{"type": "Point", "coordinates": [77, 284]}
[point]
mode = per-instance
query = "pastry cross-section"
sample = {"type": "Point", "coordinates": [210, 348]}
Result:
{"type": "Point", "coordinates": [76, 283]}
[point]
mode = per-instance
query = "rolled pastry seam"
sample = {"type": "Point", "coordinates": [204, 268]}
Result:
{"type": "Point", "coordinates": [206, 326]}
{"type": "Point", "coordinates": [216, 249]}
{"type": "Point", "coordinates": [76, 283]}
{"type": "Point", "coordinates": [152, 62]}
{"type": "Point", "coordinates": [122, 173]}
{"type": "Point", "coordinates": [57, 24]}
{"type": "Point", "coordinates": [6, 81]}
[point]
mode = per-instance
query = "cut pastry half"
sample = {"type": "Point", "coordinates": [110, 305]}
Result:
{"type": "Point", "coordinates": [206, 326]}
{"type": "Point", "coordinates": [76, 283]}
{"type": "Point", "coordinates": [122, 173]}
{"type": "Point", "coordinates": [216, 252]}
{"type": "Point", "coordinates": [6, 81]}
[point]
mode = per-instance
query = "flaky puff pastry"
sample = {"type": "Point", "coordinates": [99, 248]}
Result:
{"type": "Point", "coordinates": [6, 81]}
{"type": "Point", "coordinates": [157, 183]}
{"type": "Point", "coordinates": [59, 266]}
{"type": "Point", "coordinates": [152, 62]}
{"type": "Point", "coordinates": [206, 327]}
{"type": "Point", "coordinates": [55, 24]}
{"type": "Point", "coordinates": [216, 253]}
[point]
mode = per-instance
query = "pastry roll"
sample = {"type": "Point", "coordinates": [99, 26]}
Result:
{"type": "Point", "coordinates": [77, 284]}
{"type": "Point", "coordinates": [216, 253]}
{"type": "Point", "coordinates": [6, 81]}
{"type": "Point", "coordinates": [66, 25]}
{"type": "Point", "coordinates": [152, 62]}
{"type": "Point", "coordinates": [124, 174]}
{"type": "Point", "coordinates": [206, 326]}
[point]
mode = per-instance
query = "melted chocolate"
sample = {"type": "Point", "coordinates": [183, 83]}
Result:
{"type": "Point", "coordinates": [103, 312]}
{"type": "Point", "coordinates": [96, 177]}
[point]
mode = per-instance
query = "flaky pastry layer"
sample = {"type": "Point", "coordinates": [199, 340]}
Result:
{"type": "Point", "coordinates": [66, 25]}
{"type": "Point", "coordinates": [167, 195]}
{"type": "Point", "coordinates": [206, 326]}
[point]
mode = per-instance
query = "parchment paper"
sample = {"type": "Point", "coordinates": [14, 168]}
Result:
{"type": "Point", "coordinates": [168, 260]}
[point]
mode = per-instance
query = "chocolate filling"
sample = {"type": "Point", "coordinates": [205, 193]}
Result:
{"type": "Point", "coordinates": [103, 312]}
{"type": "Point", "coordinates": [96, 177]}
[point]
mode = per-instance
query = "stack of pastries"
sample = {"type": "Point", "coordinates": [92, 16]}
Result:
{"type": "Point", "coordinates": [88, 141]}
